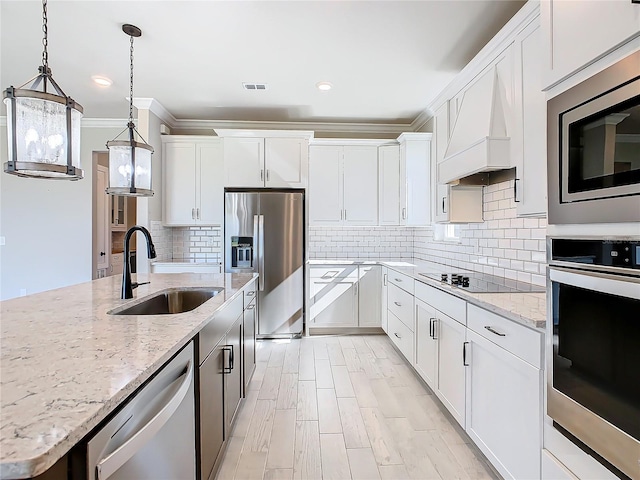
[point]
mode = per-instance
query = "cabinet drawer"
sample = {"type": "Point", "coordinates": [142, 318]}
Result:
{"type": "Point", "coordinates": [446, 303]}
{"type": "Point", "coordinates": [517, 339]}
{"type": "Point", "coordinates": [400, 303]}
{"type": "Point", "coordinates": [400, 334]}
{"type": "Point", "coordinates": [250, 293]}
{"type": "Point", "coordinates": [403, 281]}
{"type": "Point", "coordinates": [218, 326]}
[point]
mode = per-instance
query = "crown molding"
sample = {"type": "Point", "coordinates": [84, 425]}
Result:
{"type": "Point", "coordinates": [89, 122]}
{"type": "Point", "coordinates": [420, 121]}
{"type": "Point", "coordinates": [353, 141]}
{"type": "Point", "coordinates": [229, 132]}
{"type": "Point", "coordinates": [155, 107]}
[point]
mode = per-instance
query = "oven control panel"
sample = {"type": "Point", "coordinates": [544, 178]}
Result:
{"type": "Point", "coordinates": [607, 253]}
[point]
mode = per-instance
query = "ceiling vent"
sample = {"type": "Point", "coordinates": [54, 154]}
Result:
{"type": "Point", "coordinates": [254, 86]}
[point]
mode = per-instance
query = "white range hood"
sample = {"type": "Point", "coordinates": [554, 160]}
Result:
{"type": "Point", "coordinates": [479, 141]}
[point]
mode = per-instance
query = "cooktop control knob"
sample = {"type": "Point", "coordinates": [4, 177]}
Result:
{"type": "Point", "coordinates": [444, 277]}
{"type": "Point", "coordinates": [465, 281]}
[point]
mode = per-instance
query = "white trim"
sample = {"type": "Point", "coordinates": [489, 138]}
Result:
{"type": "Point", "coordinates": [415, 136]}
{"type": "Point", "coordinates": [155, 107]}
{"type": "Point", "coordinates": [104, 122]}
{"type": "Point", "coordinates": [420, 121]}
{"type": "Point", "coordinates": [352, 141]}
{"type": "Point", "coordinates": [379, 129]}
{"type": "Point", "coordinates": [190, 139]}
{"type": "Point", "coordinates": [225, 132]}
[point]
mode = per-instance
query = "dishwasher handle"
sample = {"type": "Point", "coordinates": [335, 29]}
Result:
{"type": "Point", "coordinates": [111, 463]}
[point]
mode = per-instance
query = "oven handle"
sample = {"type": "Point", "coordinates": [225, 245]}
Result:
{"type": "Point", "coordinates": [618, 285]}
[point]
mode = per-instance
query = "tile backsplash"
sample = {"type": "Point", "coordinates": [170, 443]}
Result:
{"type": "Point", "coordinates": [503, 245]}
{"type": "Point", "coordinates": [162, 241]}
{"type": "Point", "coordinates": [200, 244]}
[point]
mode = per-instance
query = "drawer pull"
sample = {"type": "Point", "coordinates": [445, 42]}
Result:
{"type": "Point", "coordinates": [464, 354]}
{"type": "Point", "coordinates": [496, 332]}
{"type": "Point", "coordinates": [398, 279]}
{"type": "Point", "coordinates": [398, 304]}
{"type": "Point", "coordinates": [250, 294]}
{"type": "Point", "coordinates": [432, 328]}
{"type": "Point", "coordinates": [398, 336]}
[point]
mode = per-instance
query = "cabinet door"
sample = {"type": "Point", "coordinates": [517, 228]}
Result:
{"type": "Point", "coordinates": [577, 34]}
{"type": "Point", "coordinates": [103, 247]}
{"type": "Point", "coordinates": [212, 421]}
{"type": "Point", "coordinates": [369, 295]}
{"type": "Point", "coordinates": [418, 182]}
{"type": "Point", "coordinates": [451, 370]}
{"type": "Point", "coordinates": [249, 343]}
{"type": "Point", "coordinates": [384, 314]}
{"type": "Point", "coordinates": [504, 410]}
{"type": "Point", "coordinates": [334, 302]}
{"type": "Point", "coordinates": [244, 162]}
{"type": "Point", "coordinates": [286, 162]}
{"type": "Point", "coordinates": [389, 185]}
{"type": "Point", "coordinates": [360, 185]}
{"type": "Point", "coordinates": [233, 374]}
{"type": "Point", "coordinates": [210, 185]}
{"type": "Point", "coordinates": [426, 343]}
{"type": "Point", "coordinates": [529, 140]}
{"type": "Point", "coordinates": [179, 175]}
{"type": "Point", "coordinates": [325, 185]}
{"type": "Point", "coordinates": [442, 202]}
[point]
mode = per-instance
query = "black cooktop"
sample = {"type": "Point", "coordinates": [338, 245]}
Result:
{"type": "Point", "coordinates": [475, 282]}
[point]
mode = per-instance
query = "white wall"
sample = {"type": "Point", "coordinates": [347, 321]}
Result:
{"type": "Point", "coordinates": [47, 224]}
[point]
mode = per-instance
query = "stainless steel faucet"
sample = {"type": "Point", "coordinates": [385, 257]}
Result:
{"type": "Point", "coordinates": [127, 286]}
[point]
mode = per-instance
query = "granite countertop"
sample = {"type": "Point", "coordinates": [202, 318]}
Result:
{"type": "Point", "coordinates": [65, 364]}
{"type": "Point", "coordinates": [185, 262]}
{"type": "Point", "coordinates": [529, 309]}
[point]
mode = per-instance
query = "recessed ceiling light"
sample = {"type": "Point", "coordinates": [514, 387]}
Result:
{"type": "Point", "coordinates": [324, 86]}
{"type": "Point", "coordinates": [102, 81]}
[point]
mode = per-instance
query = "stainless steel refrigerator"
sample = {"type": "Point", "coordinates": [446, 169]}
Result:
{"type": "Point", "coordinates": [264, 233]}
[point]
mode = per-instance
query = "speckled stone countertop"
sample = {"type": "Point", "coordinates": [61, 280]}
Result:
{"type": "Point", "coordinates": [529, 309]}
{"type": "Point", "coordinates": [65, 364]}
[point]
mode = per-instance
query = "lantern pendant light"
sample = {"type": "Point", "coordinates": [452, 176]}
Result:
{"type": "Point", "coordinates": [130, 159]}
{"type": "Point", "coordinates": [43, 128]}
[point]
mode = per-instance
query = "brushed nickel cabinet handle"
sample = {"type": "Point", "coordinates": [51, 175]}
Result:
{"type": "Point", "coordinates": [496, 332]}
{"type": "Point", "coordinates": [398, 336]}
{"type": "Point", "coordinates": [398, 304]}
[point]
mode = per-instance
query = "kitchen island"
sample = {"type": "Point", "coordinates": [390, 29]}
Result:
{"type": "Point", "coordinates": [66, 364]}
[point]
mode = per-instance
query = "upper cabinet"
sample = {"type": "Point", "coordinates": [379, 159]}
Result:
{"type": "Point", "coordinates": [265, 159]}
{"type": "Point", "coordinates": [343, 184]}
{"type": "Point", "coordinates": [576, 34]}
{"type": "Point", "coordinates": [415, 179]}
{"type": "Point", "coordinates": [389, 185]}
{"type": "Point", "coordinates": [193, 189]}
{"type": "Point", "coordinates": [529, 139]}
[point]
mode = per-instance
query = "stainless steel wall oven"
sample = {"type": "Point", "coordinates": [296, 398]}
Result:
{"type": "Point", "coordinates": [593, 365]}
{"type": "Point", "coordinates": [594, 148]}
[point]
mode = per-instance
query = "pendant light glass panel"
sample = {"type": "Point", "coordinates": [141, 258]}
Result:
{"type": "Point", "coordinates": [121, 169]}
{"type": "Point", "coordinates": [42, 139]}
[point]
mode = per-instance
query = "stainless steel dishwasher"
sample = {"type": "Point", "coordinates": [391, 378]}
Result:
{"type": "Point", "coordinates": [153, 435]}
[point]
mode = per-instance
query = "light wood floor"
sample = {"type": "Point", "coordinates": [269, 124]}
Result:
{"type": "Point", "coordinates": [340, 408]}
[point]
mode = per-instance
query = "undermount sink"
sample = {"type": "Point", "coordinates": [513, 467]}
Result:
{"type": "Point", "coordinates": [169, 302]}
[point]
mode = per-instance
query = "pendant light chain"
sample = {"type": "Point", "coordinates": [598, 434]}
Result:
{"type": "Point", "coordinates": [45, 38]}
{"type": "Point", "coordinates": [131, 83]}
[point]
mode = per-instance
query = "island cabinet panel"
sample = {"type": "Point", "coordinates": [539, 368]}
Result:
{"type": "Point", "coordinates": [216, 329]}
{"type": "Point", "coordinates": [233, 374]}
{"type": "Point", "coordinates": [211, 414]}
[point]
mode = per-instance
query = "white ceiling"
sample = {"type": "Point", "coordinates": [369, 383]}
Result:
{"type": "Point", "coordinates": [386, 59]}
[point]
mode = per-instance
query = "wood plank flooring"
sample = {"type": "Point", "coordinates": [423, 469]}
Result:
{"type": "Point", "coordinates": [344, 407]}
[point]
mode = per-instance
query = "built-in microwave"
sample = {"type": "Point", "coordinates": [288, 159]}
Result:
{"type": "Point", "coordinates": [593, 138]}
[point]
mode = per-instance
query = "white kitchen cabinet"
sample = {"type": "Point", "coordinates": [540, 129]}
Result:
{"type": "Point", "coordinates": [415, 178]}
{"type": "Point", "coordinates": [576, 34]}
{"type": "Point", "coordinates": [343, 185]}
{"type": "Point", "coordinates": [504, 411]}
{"type": "Point", "coordinates": [451, 371]}
{"type": "Point", "coordinates": [244, 162]}
{"type": "Point", "coordinates": [369, 300]}
{"type": "Point", "coordinates": [441, 131]}
{"type": "Point", "coordinates": [193, 191]}
{"type": "Point", "coordinates": [459, 203]}
{"type": "Point", "coordinates": [119, 212]}
{"type": "Point", "coordinates": [529, 139]}
{"type": "Point", "coordinates": [267, 158]}
{"type": "Point", "coordinates": [426, 343]}
{"type": "Point", "coordinates": [389, 185]}
{"type": "Point", "coordinates": [384, 314]}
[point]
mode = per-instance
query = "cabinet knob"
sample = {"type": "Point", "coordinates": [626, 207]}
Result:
{"type": "Point", "coordinates": [102, 254]}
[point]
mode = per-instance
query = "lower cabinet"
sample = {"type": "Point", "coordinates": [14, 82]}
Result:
{"type": "Point", "coordinates": [249, 338]}
{"type": "Point", "coordinates": [345, 296]}
{"type": "Point", "coordinates": [451, 366]}
{"type": "Point", "coordinates": [220, 383]}
{"type": "Point", "coordinates": [384, 282]}
{"type": "Point", "coordinates": [484, 368]}
{"type": "Point", "coordinates": [503, 408]}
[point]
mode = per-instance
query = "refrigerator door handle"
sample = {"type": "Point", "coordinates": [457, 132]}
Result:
{"type": "Point", "coordinates": [261, 252]}
{"type": "Point", "coordinates": [256, 245]}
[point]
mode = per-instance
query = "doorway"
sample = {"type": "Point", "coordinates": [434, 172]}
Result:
{"type": "Point", "coordinates": [113, 216]}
